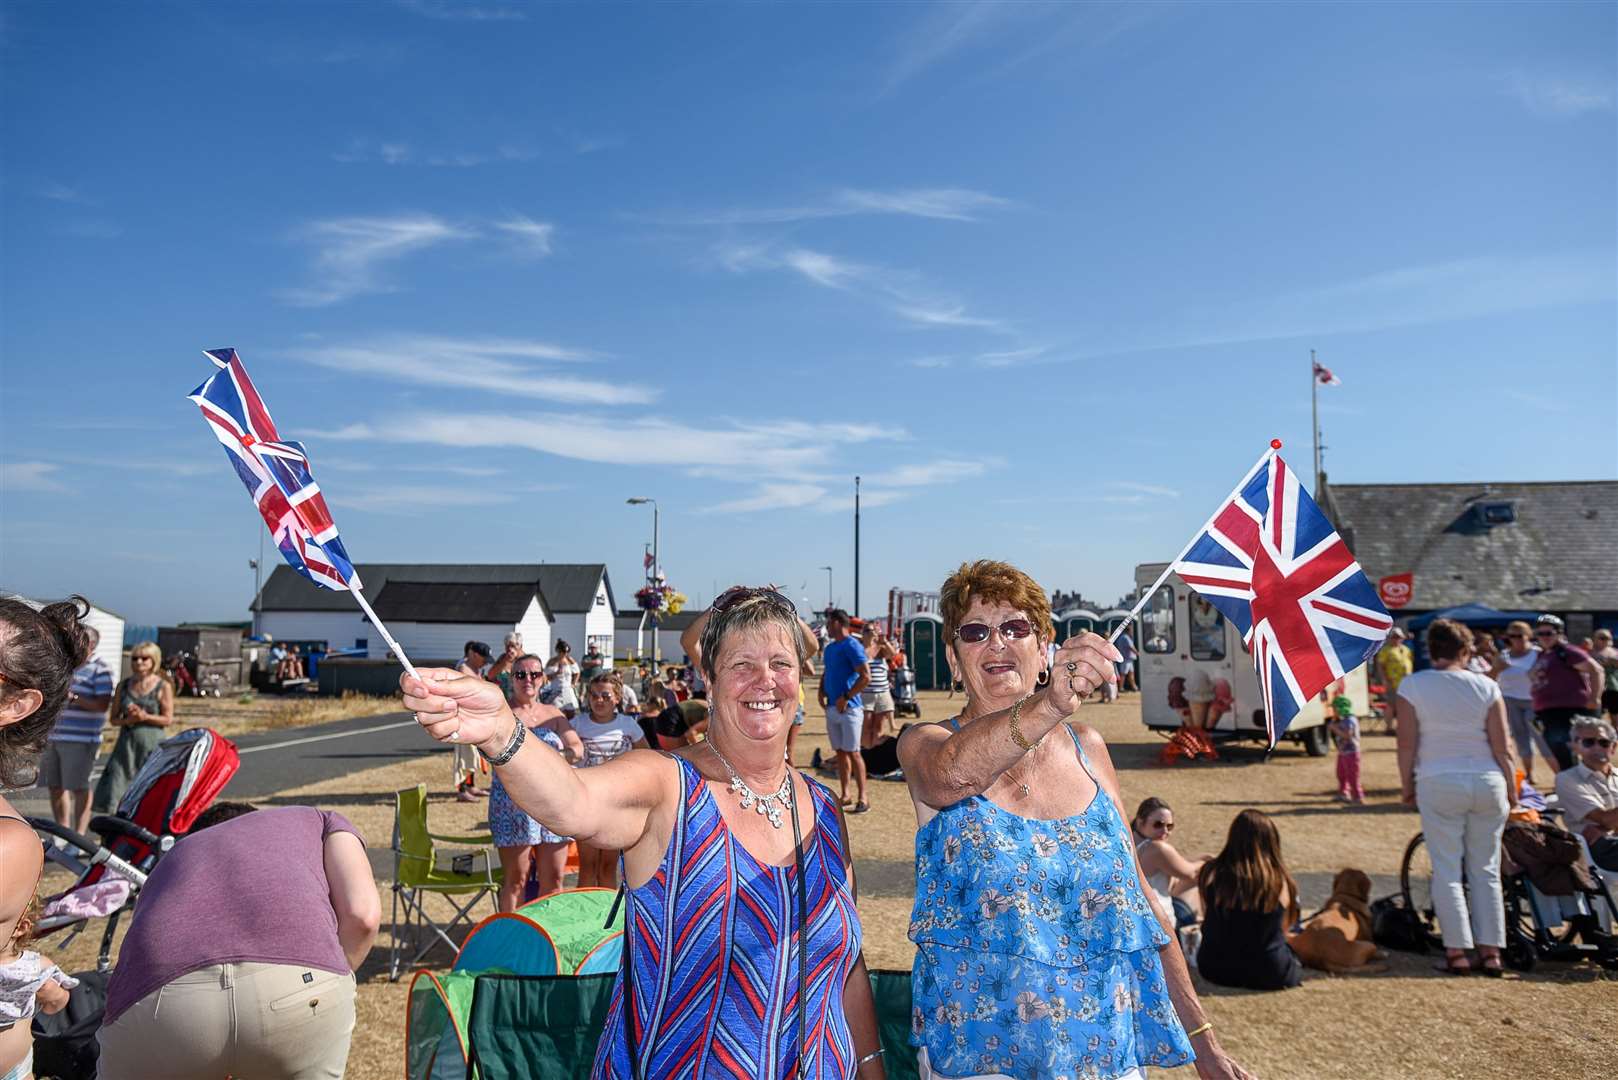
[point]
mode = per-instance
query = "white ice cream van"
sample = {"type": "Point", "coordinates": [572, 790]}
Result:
{"type": "Point", "coordinates": [1193, 666]}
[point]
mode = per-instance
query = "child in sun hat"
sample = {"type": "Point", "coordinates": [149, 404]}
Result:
{"type": "Point", "coordinates": [1346, 727]}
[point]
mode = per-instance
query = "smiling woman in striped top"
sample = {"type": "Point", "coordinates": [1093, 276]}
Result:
{"type": "Point", "coordinates": [743, 958]}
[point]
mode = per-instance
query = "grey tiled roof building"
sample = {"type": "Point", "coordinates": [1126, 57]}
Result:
{"type": "Point", "coordinates": [1529, 546]}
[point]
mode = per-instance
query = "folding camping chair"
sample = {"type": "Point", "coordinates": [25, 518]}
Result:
{"type": "Point", "coordinates": [421, 867]}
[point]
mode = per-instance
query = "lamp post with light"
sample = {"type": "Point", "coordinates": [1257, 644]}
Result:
{"type": "Point", "coordinates": [828, 587]}
{"type": "Point", "coordinates": [651, 577]}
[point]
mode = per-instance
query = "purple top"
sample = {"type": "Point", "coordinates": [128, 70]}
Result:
{"type": "Point", "coordinates": [1557, 683]}
{"type": "Point", "coordinates": [249, 890]}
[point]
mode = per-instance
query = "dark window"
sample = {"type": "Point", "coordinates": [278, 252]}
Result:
{"type": "Point", "coordinates": [1207, 630]}
{"type": "Point", "coordinates": [1157, 622]}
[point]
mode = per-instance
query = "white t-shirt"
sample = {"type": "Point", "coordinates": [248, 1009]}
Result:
{"type": "Point", "coordinates": [1514, 676]}
{"type": "Point", "coordinates": [603, 742]}
{"type": "Point", "coordinates": [1451, 707]}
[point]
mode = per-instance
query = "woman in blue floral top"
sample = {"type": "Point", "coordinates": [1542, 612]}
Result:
{"type": "Point", "coordinates": [1039, 955]}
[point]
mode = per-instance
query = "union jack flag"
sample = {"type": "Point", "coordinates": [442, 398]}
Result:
{"type": "Point", "coordinates": [276, 472]}
{"type": "Point", "coordinates": [1273, 565]}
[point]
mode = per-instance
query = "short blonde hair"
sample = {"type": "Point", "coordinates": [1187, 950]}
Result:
{"type": "Point", "coordinates": [149, 650]}
{"type": "Point", "coordinates": [992, 582]}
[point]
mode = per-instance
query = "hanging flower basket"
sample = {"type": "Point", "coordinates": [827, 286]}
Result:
{"type": "Point", "coordinates": [662, 599]}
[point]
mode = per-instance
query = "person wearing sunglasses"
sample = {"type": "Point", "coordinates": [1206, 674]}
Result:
{"type": "Point", "coordinates": [1588, 793]}
{"type": "Point", "coordinates": [724, 844]}
{"type": "Point", "coordinates": [1607, 656]}
{"type": "Point", "coordinates": [1566, 683]}
{"type": "Point", "coordinates": [1026, 873]}
{"type": "Point", "coordinates": [1512, 669]}
{"type": "Point", "coordinates": [39, 650]}
{"type": "Point", "coordinates": [522, 842]}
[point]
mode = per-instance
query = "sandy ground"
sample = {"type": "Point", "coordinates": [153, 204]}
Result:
{"type": "Point", "coordinates": [1411, 1022]}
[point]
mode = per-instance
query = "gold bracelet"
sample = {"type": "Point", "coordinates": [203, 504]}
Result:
{"type": "Point", "coordinates": [1207, 1025]}
{"type": "Point", "coordinates": [1016, 729]}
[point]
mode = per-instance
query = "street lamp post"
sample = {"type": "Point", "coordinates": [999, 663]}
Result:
{"type": "Point", "coordinates": [828, 587]}
{"type": "Point", "coordinates": [652, 576]}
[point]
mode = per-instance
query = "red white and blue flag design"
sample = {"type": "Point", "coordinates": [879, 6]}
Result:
{"type": "Point", "coordinates": [1273, 565]}
{"type": "Point", "coordinates": [276, 473]}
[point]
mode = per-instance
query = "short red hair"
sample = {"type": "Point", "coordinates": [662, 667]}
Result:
{"type": "Point", "coordinates": [994, 582]}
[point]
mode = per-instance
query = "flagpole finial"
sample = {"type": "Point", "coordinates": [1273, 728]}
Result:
{"type": "Point", "coordinates": [1275, 444]}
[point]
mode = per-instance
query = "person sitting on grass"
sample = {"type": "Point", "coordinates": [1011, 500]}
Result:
{"type": "Point", "coordinates": [1171, 876]}
{"type": "Point", "coordinates": [1249, 900]}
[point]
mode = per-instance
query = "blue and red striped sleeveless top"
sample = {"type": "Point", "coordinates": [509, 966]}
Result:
{"type": "Point", "coordinates": [715, 961]}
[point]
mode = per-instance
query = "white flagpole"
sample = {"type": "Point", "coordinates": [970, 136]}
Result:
{"type": "Point", "coordinates": [1275, 444]}
{"type": "Point", "coordinates": [383, 630]}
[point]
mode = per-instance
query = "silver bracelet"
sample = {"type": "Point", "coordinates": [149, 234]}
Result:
{"type": "Point", "coordinates": [872, 1056]}
{"type": "Point", "coordinates": [517, 736]}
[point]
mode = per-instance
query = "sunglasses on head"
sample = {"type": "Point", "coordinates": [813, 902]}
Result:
{"type": "Point", "coordinates": [1010, 630]}
{"type": "Point", "coordinates": [738, 593]}
{"type": "Point", "coordinates": [1603, 743]}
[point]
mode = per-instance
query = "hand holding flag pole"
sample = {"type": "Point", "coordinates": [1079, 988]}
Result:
{"type": "Point", "coordinates": [276, 474]}
{"type": "Point", "coordinates": [1145, 597]}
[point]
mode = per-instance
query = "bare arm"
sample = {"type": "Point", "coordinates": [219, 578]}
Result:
{"type": "Point", "coordinates": [942, 767]}
{"type": "Point", "coordinates": [353, 895]}
{"type": "Point", "coordinates": [859, 1005]}
{"type": "Point", "coordinates": [165, 705]}
{"type": "Point", "coordinates": [1595, 677]}
{"type": "Point", "coordinates": [1212, 1061]}
{"type": "Point", "coordinates": [608, 806]}
{"type": "Point", "coordinates": [572, 745]}
{"type": "Point", "coordinates": [860, 683]}
{"type": "Point", "coordinates": [1407, 725]}
{"type": "Point", "coordinates": [1164, 855]}
{"type": "Point", "coordinates": [1494, 724]}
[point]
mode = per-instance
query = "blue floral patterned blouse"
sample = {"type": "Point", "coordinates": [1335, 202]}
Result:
{"type": "Point", "coordinates": [1036, 951]}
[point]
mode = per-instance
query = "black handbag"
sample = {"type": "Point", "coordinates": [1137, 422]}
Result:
{"type": "Point", "coordinates": [1395, 926]}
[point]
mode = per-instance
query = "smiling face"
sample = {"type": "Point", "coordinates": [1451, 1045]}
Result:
{"type": "Point", "coordinates": [603, 699]}
{"type": "Point", "coordinates": [997, 671]}
{"type": "Point", "coordinates": [527, 679]}
{"type": "Point", "coordinates": [755, 684]}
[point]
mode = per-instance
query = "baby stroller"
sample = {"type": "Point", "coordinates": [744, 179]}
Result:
{"type": "Point", "coordinates": [1556, 907]}
{"type": "Point", "coordinates": [904, 693]}
{"type": "Point", "coordinates": [180, 779]}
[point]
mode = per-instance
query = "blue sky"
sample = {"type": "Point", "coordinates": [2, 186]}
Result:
{"type": "Point", "coordinates": [1045, 276]}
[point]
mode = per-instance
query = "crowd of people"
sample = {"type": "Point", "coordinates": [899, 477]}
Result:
{"type": "Point", "coordinates": [1080, 921]}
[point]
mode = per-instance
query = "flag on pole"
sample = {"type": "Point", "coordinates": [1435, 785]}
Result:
{"type": "Point", "coordinates": [1273, 565]}
{"type": "Point", "coordinates": [276, 473]}
{"type": "Point", "coordinates": [1324, 377]}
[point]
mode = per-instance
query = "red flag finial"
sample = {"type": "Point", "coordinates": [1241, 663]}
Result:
{"type": "Point", "coordinates": [1275, 444]}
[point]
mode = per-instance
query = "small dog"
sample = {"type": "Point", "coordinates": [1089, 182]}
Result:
{"type": "Point", "coordinates": [1338, 938]}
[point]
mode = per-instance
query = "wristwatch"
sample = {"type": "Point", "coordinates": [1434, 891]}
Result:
{"type": "Point", "coordinates": [518, 734]}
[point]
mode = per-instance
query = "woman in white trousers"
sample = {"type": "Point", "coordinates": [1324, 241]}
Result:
{"type": "Point", "coordinates": [1458, 769]}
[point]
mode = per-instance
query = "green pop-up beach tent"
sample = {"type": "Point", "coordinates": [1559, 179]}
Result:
{"type": "Point", "coordinates": [563, 935]}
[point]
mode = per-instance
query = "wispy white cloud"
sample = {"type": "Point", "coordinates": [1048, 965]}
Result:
{"type": "Point", "coordinates": [533, 237]}
{"type": "Point", "coordinates": [947, 32]}
{"type": "Point", "coordinates": [926, 473]}
{"type": "Point", "coordinates": [931, 361]}
{"type": "Point", "coordinates": [1561, 95]}
{"type": "Point", "coordinates": [1440, 292]}
{"type": "Point", "coordinates": [414, 498]}
{"type": "Point", "coordinates": [351, 252]}
{"type": "Point", "coordinates": [368, 151]}
{"type": "Point", "coordinates": [1011, 357]}
{"type": "Point", "coordinates": [29, 476]}
{"type": "Point", "coordinates": [501, 365]}
{"type": "Point", "coordinates": [942, 204]}
{"type": "Point", "coordinates": [1147, 490]}
{"type": "Point", "coordinates": [772, 497]}
{"type": "Point", "coordinates": [456, 11]}
{"type": "Point", "coordinates": [62, 193]}
{"type": "Point", "coordinates": [899, 291]}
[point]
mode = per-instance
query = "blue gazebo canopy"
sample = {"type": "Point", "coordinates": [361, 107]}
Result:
{"type": "Point", "coordinates": [1472, 615]}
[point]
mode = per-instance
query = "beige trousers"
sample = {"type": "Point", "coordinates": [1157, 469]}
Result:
{"type": "Point", "coordinates": [246, 1021]}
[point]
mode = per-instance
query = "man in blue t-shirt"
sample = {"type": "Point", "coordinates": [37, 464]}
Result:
{"type": "Point", "coordinates": [844, 673]}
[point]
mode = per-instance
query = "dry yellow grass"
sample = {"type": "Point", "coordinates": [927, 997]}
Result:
{"type": "Point", "coordinates": [251, 712]}
{"type": "Point", "coordinates": [1410, 1022]}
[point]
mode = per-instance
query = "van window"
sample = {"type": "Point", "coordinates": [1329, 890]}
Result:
{"type": "Point", "coordinates": [1157, 622]}
{"type": "Point", "coordinates": [1207, 630]}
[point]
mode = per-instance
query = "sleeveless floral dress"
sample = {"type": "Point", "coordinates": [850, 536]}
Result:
{"type": "Point", "coordinates": [1036, 950]}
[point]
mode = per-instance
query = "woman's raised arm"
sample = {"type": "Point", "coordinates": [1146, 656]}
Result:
{"type": "Point", "coordinates": [608, 806]}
